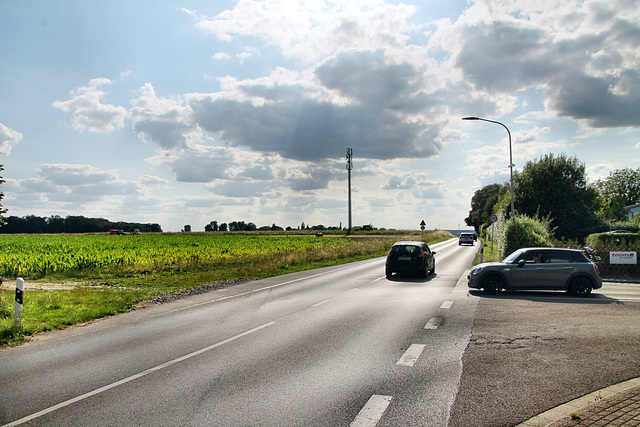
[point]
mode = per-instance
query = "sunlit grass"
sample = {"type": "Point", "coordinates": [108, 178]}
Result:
{"type": "Point", "coordinates": [489, 253]}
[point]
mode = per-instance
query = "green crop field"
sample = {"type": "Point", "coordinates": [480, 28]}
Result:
{"type": "Point", "coordinates": [36, 256]}
{"type": "Point", "coordinates": [71, 279]}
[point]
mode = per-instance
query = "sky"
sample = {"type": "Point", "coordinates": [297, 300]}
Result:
{"type": "Point", "coordinates": [186, 112]}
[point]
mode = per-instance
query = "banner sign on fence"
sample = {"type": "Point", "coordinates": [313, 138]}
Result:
{"type": "Point", "coordinates": [623, 258]}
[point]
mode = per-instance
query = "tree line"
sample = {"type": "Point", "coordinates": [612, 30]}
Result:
{"type": "Point", "coordinates": [213, 226]}
{"type": "Point", "coordinates": [55, 224]}
{"type": "Point", "coordinates": [554, 191]}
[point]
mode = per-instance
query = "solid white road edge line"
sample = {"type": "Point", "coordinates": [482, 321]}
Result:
{"type": "Point", "coordinates": [372, 411]}
{"type": "Point", "coordinates": [410, 357]}
{"type": "Point", "coordinates": [135, 376]}
{"type": "Point", "coordinates": [318, 304]}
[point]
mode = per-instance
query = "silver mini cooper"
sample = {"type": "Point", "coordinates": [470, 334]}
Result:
{"type": "Point", "coordinates": [538, 269]}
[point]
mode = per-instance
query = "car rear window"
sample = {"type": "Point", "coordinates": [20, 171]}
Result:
{"type": "Point", "coordinates": [405, 249]}
{"type": "Point", "coordinates": [578, 257]}
{"type": "Point", "coordinates": [556, 257]}
{"type": "Point", "coordinates": [566, 257]}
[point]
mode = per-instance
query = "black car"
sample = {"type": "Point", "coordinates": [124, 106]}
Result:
{"type": "Point", "coordinates": [410, 257]}
{"type": "Point", "coordinates": [466, 238]}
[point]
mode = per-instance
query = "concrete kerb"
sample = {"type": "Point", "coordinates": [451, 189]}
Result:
{"type": "Point", "coordinates": [551, 416]}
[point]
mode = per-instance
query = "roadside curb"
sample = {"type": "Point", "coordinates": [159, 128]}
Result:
{"type": "Point", "coordinates": [583, 405]}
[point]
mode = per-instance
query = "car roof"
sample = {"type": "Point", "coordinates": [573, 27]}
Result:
{"type": "Point", "coordinates": [550, 249]}
{"type": "Point", "coordinates": [409, 242]}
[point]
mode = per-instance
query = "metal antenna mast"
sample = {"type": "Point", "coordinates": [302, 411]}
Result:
{"type": "Point", "coordinates": [349, 167]}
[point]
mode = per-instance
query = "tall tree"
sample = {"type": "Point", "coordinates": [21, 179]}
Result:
{"type": "Point", "coordinates": [481, 206]}
{"type": "Point", "coordinates": [555, 187]}
{"type": "Point", "coordinates": [621, 188]}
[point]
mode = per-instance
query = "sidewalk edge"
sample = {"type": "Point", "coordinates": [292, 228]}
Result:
{"type": "Point", "coordinates": [553, 415]}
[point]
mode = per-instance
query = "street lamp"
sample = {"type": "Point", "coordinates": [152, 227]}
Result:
{"type": "Point", "coordinates": [513, 213]}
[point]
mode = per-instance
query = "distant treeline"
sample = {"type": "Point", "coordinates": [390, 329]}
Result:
{"type": "Point", "coordinates": [32, 224]}
{"type": "Point", "coordinates": [242, 226]}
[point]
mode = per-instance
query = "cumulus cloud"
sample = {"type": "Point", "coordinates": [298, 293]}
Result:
{"type": "Point", "coordinates": [377, 78]}
{"type": "Point", "coordinates": [70, 174]}
{"type": "Point", "coordinates": [240, 189]}
{"type": "Point", "coordinates": [165, 121]}
{"type": "Point", "coordinates": [201, 167]}
{"type": "Point", "coordinates": [67, 182]}
{"type": "Point", "coordinates": [89, 113]}
{"type": "Point", "coordinates": [8, 138]}
{"type": "Point", "coordinates": [313, 177]}
{"type": "Point", "coordinates": [374, 113]}
{"type": "Point", "coordinates": [153, 181]}
{"type": "Point", "coordinates": [312, 30]}
{"type": "Point", "coordinates": [313, 130]}
{"type": "Point", "coordinates": [582, 55]}
{"type": "Point", "coordinates": [422, 186]}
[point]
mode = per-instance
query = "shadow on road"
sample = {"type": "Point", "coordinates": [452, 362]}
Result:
{"type": "Point", "coordinates": [547, 296]}
{"type": "Point", "coordinates": [411, 278]}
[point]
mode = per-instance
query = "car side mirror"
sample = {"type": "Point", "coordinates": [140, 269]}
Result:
{"type": "Point", "coordinates": [521, 263]}
{"type": "Point", "coordinates": [433, 252]}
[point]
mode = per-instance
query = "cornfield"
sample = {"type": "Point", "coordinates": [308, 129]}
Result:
{"type": "Point", "coordinates": [35, 256]}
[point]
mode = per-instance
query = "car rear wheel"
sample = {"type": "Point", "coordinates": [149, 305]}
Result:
{"type": "Point", "coordinates": [388, 272]}
{"type": "Point", "coordinates": [493, 283]}
{"type": "Point", "coordinates": [433, 270]}
{"type": "Point", "coordinates": [580, 287]}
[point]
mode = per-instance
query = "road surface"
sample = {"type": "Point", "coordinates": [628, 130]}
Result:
{"type": "Point", "coordinates": [337, 346]}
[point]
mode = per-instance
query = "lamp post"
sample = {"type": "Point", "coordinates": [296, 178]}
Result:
{"type": "Point", "coordinates": [513, 212]}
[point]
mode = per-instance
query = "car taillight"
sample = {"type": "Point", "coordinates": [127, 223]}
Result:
{"type": "Point", "coordinates": [389, 254]}
{"type": "Point", "coordinates": [597, 269]}
{"type": "Point", "coordinates": [421, 255]}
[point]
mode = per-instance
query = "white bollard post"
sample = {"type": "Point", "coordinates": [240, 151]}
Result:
{"type": "Point", "coordinates": [19, 300]}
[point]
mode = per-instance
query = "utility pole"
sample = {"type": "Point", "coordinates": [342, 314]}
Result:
{"type": "Point", "coordinates": [349, 167]}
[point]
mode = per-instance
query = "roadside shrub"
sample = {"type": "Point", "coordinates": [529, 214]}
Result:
{"type": "Point", "coordinates": [614, 241]}
{"type": "Point", "coordinates": [522, 232]}
{"type": "Point", "coordinates": [605, 243]}
{"type": "Point", "coordinates": [632, 225]}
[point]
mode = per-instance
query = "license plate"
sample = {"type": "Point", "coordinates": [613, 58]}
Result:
{"type": "Point", "coordinates": [404, 258]}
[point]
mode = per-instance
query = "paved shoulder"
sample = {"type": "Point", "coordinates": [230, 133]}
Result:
{"type": "Point", "coordinates": [617, 405]}
{"type": "Point", "coordinates": [531, 352]}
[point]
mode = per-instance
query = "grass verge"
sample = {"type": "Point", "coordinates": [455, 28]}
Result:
{"type": "Point", "coordinates": [489, 253]}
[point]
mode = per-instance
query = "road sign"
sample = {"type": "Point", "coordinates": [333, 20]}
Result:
{"type": "Point", "coordinates": [423, 225]}
{"type": "Point", "coordinates": [493, 218]}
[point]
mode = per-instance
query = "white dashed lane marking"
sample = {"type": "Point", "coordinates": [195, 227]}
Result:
{"type": "Point", "coordinates": [410, 357]}
{"type": "Point", "coordinates": [433, 323]}
{"type": "Point", "coordinates": [372, 411]}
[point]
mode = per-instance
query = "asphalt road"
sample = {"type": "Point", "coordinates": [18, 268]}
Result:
{"type": "Point", "coordinates": [533, 351]}
{"type": "Point", "coordinates": [336, 346]}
